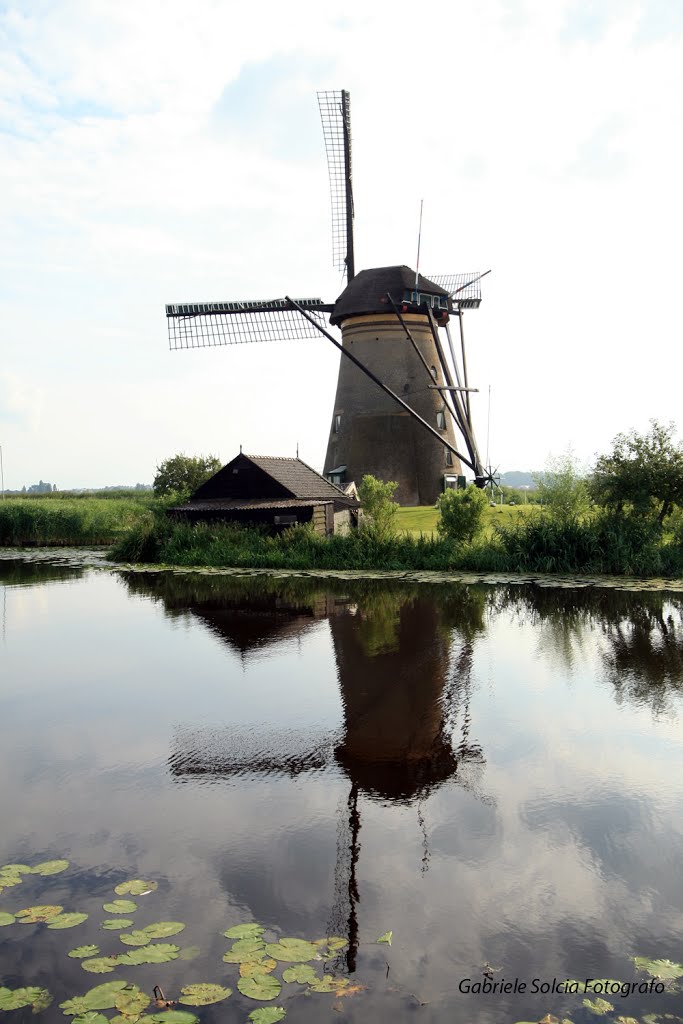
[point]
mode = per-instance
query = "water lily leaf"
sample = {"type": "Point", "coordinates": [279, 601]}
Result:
{"type": "Point", "coordinates": [598, 1006]}
{"type": "Point", "coordinates": [39, 998]}
{"type": "Point", "coordinates": [103, 997]}
{"type": "Point", "coordinates": [131, 1001]}
{"type": "Point", "coordinates": [303, 974]}
{"type": "Point", "coordinates": [80, 951]}
{"type": "Point", "coordinates": [262, 986]}
{"type": "Point", "coordinates": [162, 929]}
{"type": "Point", "coordinates": [113, 924]}
{"type": "Point", "coordinates": [189, 953]}
{"type": "Point", "coordinates": [334, 944]}
{"type": "Point", "coordinates": [267, 1014]}
{"type": "Point", "coordinates": [155, 953]}
{"type": "Point", "coordinates": [136, 887]}
{"type": "Point", "coordinates": [136, 938]}
{"type": "Point", "coordinates": [329, 984]}
{"type": "Point", "coordinates": [15, 869]}
{"type": "Point", "coordinates": [34, 915]}
{"type": "Point", "coordinates": [100, 964]}
{"type": "Point", "coordinates": [173, 1017]}
{"type": "Point", "coordinates": [292, 950]}
{"type": "Point", "coordinates": [202, 994]}
{"type": "Point", "coordinates": [90, 1017]}
{"type": "Point", "coordinates": [253, 967]}
{"type": "Point", "coordinates": [6, 919]}
{"type": "Point", "coordinates": [664, 969]}
{"type": "Point", "coordinates": [74, 1006]}
{"type": "Point", "coordinates": [67, 920]}
{"type": "Point", "coordinates": [387, 937]}
{"type": "Point", "coordinates": [243, 950]}
{"type": "Point", "coordinates": [244, 931]}
{"type": "Point", "coordinates": [50, 867]}
{"type": "Point", "coordinates": [120, 907]}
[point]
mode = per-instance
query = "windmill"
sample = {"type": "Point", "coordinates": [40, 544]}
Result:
{"type": "Point", "coordinates": [399, 402]}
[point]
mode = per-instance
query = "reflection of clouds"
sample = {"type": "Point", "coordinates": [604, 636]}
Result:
{"type": "Point", "coordinates": [570, 867]}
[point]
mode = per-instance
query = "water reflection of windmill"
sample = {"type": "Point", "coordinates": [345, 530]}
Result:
{"type": "Point", "coordinates": [400, 403]}
{"type": "Point", "coordinates": [404, 693]}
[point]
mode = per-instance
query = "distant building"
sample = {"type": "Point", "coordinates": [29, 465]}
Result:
{"type": "Point", "coordinates": [271, 491]}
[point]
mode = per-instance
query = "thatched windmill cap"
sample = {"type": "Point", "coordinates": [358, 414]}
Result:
{"type": "Point", "coordinates": [367, 291]}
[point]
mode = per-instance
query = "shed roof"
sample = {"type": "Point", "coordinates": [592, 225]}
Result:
{"type": "Point", "coordinates": [252, 479]}
{"type": "Point", "coordinates": [367, 291]}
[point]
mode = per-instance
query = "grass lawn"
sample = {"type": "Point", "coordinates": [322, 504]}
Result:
{"type": "Point", "coordinates": [422, 518]}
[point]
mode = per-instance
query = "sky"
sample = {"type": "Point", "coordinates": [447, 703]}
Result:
{"type": "Point", "coordinates": [158, 152]}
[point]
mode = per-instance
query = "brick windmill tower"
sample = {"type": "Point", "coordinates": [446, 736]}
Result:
{"type": "Point", "coordinates": [402, 409]}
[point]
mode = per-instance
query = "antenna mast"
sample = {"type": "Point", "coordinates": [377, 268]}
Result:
{"type": "Point", "coordinates": [419, 239]}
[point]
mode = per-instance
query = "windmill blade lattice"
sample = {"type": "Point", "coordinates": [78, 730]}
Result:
{"type": "Point", "coordinates": [205, 324]}
{"type": "Point", "coordinates": [464, 289]}
{"type": "Point", "coordinates": [335, 114]}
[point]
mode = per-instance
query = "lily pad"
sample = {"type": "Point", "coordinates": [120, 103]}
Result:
{"type": "Point", "coordinates": [189, 953]}
{"type": "Point", "coordinates": [90, 1017]}
{"type": "Point", "coordinates": [100, 964]}
{"type": "Point", "coordinates": [162, 929]}
{"type": "Point", "coordinates": [387, 937]}
{"type": "Point", "coordinates": [244, 931]}
{"type": "Point", "coordinates": [38, 998]}
{"type": "Point", "coordinates": [15, 869]}
{"type": "Point", "coordinates": [334, 944]}
{"type": "Point", "coordinates": [173, 1017]}
{"type": "Point", "coordinates": [262, 986]}
{"type": "Point", "coordinates": [35, 915]}
{"type": "Point", "coordinates": [131, 1001]}
{"type": "Point", "coordinates": [136, 938]}
{"type": "Point", "coordinates": [50, 867]}
{"type": "Point", "coordinates": [67, 920]}
{"type": "Point", "coordinates": [243, 950]}
{"type": "Point", "coordinates": [303, 974]}
{"type": "Point", "coordinates": [202, 994]}
{"type": "Point", "coordinates": [120, 907]}
{"type": "Point", "coordinates": [267, 1014]}
{"type": "Point", "coordinates": [113, 924]}
{"type": "Point", "coordinates": [253, 967]}
{"type": "Point", "coordinates": [292, 950]}
{"type": "Point", "coordinates": [103, 997]}
{"type": "Point", "coordinates": [80, 951]}
{"type": "Point", "coordinates": [598, 1006]}
{"type": "Point", "coordinates": [155, 953]}
{"type": "Point", "coordinates": [666, 970]}
{"type": "Point", "coordinates": [135, 887]}
{"type": "Point", "coordinates": [329, 984]}
{"type": "Point", "coordinates": [6, 919]}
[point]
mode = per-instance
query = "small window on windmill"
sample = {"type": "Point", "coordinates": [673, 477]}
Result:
{"type": "Point", "coordinates": [450, 483]}
{"type": "Point", "coordinates": [435, 373]}
{"type": "Point", "coordinates": [449, 456]}
{"type": "Point", "coordinates": [337, 422]}
{"type": "Point", "coordinates": [441, 419]}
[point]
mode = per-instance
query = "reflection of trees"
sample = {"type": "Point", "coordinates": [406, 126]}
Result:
{"type": "Point", "coordinates": [15, 572]}
{"type": "Point", "coordinates": [639, 634]}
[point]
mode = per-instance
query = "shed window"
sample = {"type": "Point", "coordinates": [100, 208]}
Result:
{"type": "Point", "coordinates": [441, 419]}
{"type": "Point", "coordinates": [285, 520]}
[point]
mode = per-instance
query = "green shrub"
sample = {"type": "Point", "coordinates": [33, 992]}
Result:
{"type": "Point", "coordinates": [379, 508]}
{"type": "Point", "coordinates": [461, 513]}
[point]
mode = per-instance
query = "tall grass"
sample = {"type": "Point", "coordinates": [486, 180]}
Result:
{"type": "Point", "coordinates": [25, 521]}
{"type": "Point", "coordinates": [602, 544]}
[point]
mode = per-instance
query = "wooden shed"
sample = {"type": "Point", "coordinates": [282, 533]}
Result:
{"type": "Point", "coordinates": [274, 492]}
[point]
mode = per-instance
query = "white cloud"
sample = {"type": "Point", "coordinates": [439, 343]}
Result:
{"type": "Point", "coordinates": [137, 170]}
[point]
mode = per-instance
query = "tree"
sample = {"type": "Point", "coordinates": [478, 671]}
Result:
{"type": "Point", "coordinates": [562, 490]}
{"type": "Point", "coordinates": [183, 474]}
{"type": "Point", "coordinates": [461, 513]}
{"type": "Point", "coordinates": [379, 510]}
{"type": "Point", "coordinates": [643, 473]}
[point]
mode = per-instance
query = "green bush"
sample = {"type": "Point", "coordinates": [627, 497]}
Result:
{"type": "Point", "coordinates": [379, 508]}
{"type": "Point", "coordinates": [461, 513]}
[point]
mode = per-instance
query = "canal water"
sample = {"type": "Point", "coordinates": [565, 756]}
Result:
{"type": "Point", "coordinates": [488, 775]}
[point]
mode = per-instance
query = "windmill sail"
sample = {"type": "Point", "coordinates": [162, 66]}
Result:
{"type": "Point", "coordinates": [335, 113]}
{"type": "Point", "coordinates": [465, 289]}
{"type": "Point", "coordinates": [205, 324]}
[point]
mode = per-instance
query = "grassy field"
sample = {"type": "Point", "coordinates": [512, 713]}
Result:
{"type": "Point", "coordinates": [55, 521]}
{"type": "Point", "coordinates": [422, 518]}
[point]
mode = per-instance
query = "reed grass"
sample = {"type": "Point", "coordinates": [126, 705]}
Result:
{"type": "Point", "coordinates": [69, 521]}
